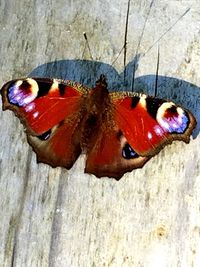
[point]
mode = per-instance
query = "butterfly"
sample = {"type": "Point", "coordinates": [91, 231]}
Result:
{"type": "Point", "coordinates": [117, 131]}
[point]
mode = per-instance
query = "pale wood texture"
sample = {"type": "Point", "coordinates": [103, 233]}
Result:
{"type": "Point", "coordinates": [55, 217]}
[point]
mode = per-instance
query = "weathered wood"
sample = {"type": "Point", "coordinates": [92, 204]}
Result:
{"type": "Point", "coordinates": [55, 217]}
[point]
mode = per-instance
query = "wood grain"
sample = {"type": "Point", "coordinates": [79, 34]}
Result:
{"type": "Point", "coordinates": [55, 217]}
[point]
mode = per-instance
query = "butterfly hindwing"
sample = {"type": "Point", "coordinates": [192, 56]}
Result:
{"type": "Point", "coordinates": [59, 146]}
{"type": "Point", "coordinates": [112, 156]}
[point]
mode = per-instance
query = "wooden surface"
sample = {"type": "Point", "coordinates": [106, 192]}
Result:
{"type": "Point", "coordinates": [55, 217]}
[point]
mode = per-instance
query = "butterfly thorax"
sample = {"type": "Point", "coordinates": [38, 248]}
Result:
{"type": "Point", "coordinates": [98, 98]}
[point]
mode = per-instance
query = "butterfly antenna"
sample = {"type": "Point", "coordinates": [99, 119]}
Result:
{"type": "Point", "coordinates": [125, 39]}
{"type": "Point", "coordinates": [136, 57]}
{"type": "Point", "coordinates": [87, 45]}
{"type": "Point", "coordinates": [119, 53]}
{"type": "Point", "coordinates": [144, 26]}
{"type": "Point", "coordinates": [157, 71]}
{"type": "Point", "coordinates": [166, 31]}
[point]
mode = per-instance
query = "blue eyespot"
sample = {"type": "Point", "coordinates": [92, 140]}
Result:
{"type": "Point", "coordinates": [21, 93]}
{"type": "Point", "coordinates": [176, 124]}
{"type": "Point", "coordinates": [45, 135]}
{"type": "Point", "coordinates": [128, 152]}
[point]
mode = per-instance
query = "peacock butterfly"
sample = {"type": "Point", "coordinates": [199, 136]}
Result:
{"type": "Point", "coordinates": [117, 131]}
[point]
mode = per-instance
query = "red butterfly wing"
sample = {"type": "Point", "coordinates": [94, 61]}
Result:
{"type": "Point", "coordinates": [130, 129]}
{"type": "Point", "coordinates": [42, 103]}
{"type": "Point", "coordinates": [112, 156]}
{"type": "Point", "coordinates": [108, 151]}
{"type": "Point", "coordinates": [150, 123]}
{"type": "Point", "coordinates": [59, 146]}
{"type": "Point", "coordinates": [51, 112]}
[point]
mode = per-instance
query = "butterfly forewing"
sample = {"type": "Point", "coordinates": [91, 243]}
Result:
{"type": "Point", "coordinates": [150, 123]}
{"type": "Point", "coordinates": [42, 103]}
{"type": "Point", "coordinates": [51, 111]}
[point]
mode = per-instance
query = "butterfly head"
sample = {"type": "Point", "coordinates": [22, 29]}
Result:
{"type": "Point", "coordinates": [102, 81]}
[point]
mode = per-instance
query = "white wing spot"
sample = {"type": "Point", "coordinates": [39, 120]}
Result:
{"type": "Point", "coordinates": [30, 107]}
{"type": "Point", "coordinates": [149, 135]}
{"type": "Point", "coordinates": [34, 86]}
{"type": "Point", "coordinates": [143, 101]}
{"type": "Point", "coordinates": [35, 114]}
{"type": "Point", "coordinates": [54, 86]}
{"type": "Point", "coordinates": [158, 130]}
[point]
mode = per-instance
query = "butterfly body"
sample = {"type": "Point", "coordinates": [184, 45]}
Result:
{"type": "Point", "coordinates": [98, 113]}
{"type": "Point", "coordinates": [118, 132]}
